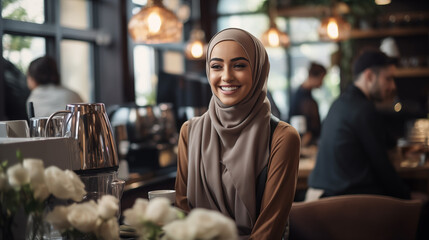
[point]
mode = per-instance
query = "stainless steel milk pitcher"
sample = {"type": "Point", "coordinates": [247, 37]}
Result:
{"type": "Point", "coordinates": [89, 125]}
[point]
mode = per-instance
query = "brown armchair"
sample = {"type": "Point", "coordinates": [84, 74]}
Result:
{"type": "Point", "coordinates": [362, 217]}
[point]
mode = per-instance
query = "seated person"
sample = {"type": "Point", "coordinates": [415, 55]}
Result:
{"type": "Point", "coordinates": [352, 155]}
{"type": "Point", "coordinates": [15, 92]}
{"type": "Point", "coordinates": [222, 153]}
{"type": "Point", "coordinates": [47, 95]}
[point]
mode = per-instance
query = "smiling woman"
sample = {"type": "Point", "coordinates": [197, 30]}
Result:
{"type": "Point", "coordinates": [230, 73]}
{"type": "Point", "coordinates": [223, 153]}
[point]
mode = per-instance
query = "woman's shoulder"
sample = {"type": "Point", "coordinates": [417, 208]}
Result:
{"type": "Point", "coordinates": [184, 126]}
{"type": "Point", "coordinates": [284, 131]}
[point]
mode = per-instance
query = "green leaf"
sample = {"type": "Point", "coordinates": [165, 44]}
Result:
{"type": "Point", "coordinates": [19, 155]}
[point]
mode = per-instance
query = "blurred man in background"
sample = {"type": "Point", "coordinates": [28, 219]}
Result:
{"type": "Point", "coordinates": [303, 104]}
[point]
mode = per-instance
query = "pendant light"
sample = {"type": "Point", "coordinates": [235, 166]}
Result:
{"type": "Point", "coordinates": [382, 2]}
{"type": "Point", "coordinates": [273, 37]}
{"type": "Point", "coordinates": [196, 46]}
{"type": "Point", "coordinates": [155, 24]}
{"type": "Point", "coordinates": [335, 27]}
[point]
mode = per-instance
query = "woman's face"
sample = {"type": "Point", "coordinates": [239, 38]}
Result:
{"type": "Point", "coordinates": [230, 72]}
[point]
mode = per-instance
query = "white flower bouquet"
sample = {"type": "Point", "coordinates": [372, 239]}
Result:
{"type": "Point", "coordinates": [158, 220]}
{"type": "Point", "coordinates": [90, 219]}
{"type": "Point", "coordinates": [29, 185]}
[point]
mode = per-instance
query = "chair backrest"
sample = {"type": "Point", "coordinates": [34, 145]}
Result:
{"type": "Point", "coordinates": [355, 217]}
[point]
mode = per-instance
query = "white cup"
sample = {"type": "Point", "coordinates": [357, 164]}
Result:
{"type": "Point", "coordinates": [169, 194]}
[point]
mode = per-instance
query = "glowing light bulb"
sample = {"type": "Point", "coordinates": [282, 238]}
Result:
{"type": "Point", "coordinates": [273, 38]}
{"type": "Point", "coordinates": [397, 107]}
{"type": "Point", "coordinates": [382, 2]}
{"type": "Point", "coordinates": [155, 22]}
{"type": "Point", "coordinates": [332, 29]}
{"type": "Point", "coordinates": [197, 49]}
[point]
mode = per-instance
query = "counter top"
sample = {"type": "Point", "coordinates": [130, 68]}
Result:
{"type": "Point", "coordinates": [416, 175]}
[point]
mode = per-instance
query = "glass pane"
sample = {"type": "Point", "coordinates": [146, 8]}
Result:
{"type": "Point", "coordinates": [75, 14]}
{"type": "Point", "coordinates": [237, 6]}
{"type": "Point", "coordinates": [304, 29]}
{"type": "Point", "coordinates": [301, 56]}
{"type": "Point", "coordinates": [144, 73]}
{"type": "Point", "coordinates": [277, 79]}
{"type": "Point", "coordinates": [256, 24]}
{"type": "Point", "coordinates": [76, 68]}
{"type": "Point", "coordinates": [24, 10]}
{"type": "Point", "coordinates": [21, 50]}
{"type": "Point", "coordinates": [140, 2]}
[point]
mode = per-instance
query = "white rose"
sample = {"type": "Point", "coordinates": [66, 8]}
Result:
{"type": "Point", "coordinates": [35, 168]}
{"type": "Point", "coordinates": [107, 206]}
{"type": "Point", "coordinates": [3, 181]}
{"type": "Point", "coordinates": [108, 230]}
{"type": "Point", "coordinates": [134, 216]}
{"type": "Point", "coordinates": [179, 230]}
{"type": "Point", "coordinates": [228, 229]}
{"type": "Point", "coordinates": [58, 218]}
{"type": "Point", "coordinates": [159, 211]}
{"type": "Point", "coordinates": [83, 216]}
{"type": "Point", "coordinates": [18, 175]}
{"type": "Point", "coordinates": [210, 224]}
{"type": "Point", "coordinates": [58, 183]}
{"type": "Point", "coordinates": [41, 192]}
{"type": "Point", "coordinates": [79, 187]}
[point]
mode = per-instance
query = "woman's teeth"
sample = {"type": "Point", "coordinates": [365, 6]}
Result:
{"type": "Point", "coordinates": [229, 88]}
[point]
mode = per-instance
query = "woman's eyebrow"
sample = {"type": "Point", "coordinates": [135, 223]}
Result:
{"type": "Point", "coordinates": [216, 59]}
{"type": "Point", "coordinates": [232, 60]}
{"type": "Point", "coordinates": [239, 58]}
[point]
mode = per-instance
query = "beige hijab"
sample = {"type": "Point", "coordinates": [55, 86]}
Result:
{"type": "Point", "coordinates": [228, 146]}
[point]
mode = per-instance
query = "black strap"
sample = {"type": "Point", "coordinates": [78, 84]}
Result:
{"type": "Point", "coordinates": [262, 178]}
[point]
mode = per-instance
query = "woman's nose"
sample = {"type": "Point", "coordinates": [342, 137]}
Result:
{"type": "Point", "coordinates": [227, 75]}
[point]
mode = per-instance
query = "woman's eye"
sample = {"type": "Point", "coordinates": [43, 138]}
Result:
{"type": "Point", "coordinates": [215, 66]}
{"type": "Point", "coordinates": [240, 65]}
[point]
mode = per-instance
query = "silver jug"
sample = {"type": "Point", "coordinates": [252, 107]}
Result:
{"type": "Point", "coordinates": [38, 127]}
{"type": "Point", "coordinates": [89, 125]}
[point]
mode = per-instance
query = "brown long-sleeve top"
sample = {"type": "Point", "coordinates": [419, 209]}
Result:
{"type": "Point", "coordinates": [280, 186]}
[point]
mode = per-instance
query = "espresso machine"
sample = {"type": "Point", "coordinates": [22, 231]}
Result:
{"type": "Point", "coordinates": [146, 136]}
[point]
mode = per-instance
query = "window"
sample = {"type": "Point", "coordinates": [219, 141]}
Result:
{"type": "Point", "coordinates": [238, 6]}
{"type": "Point", "coordinates": [76, 72]}
{"type": "Point", "coordinates": [62, 29]}
{"type": "Point", "coordinates": [144, 73]}
{"type": "Point", "coordinates": [24, 10]}
{"type": "Point", "coordinates": [301, 56]}
{"type": "Point", "coordinates": [75, 14]}
{"type": "Point", "coordinates": [20, 50]}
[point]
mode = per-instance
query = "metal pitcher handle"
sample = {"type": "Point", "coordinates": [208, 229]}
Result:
{"type": "Point", "coordinates": [51, 116]}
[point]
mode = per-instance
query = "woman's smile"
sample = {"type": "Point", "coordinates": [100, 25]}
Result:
{"type": "Point", "coordinates": [229, 89]}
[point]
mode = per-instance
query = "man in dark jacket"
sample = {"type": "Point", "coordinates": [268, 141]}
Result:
{"type": "Point", "coordinates": [352, 155]}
